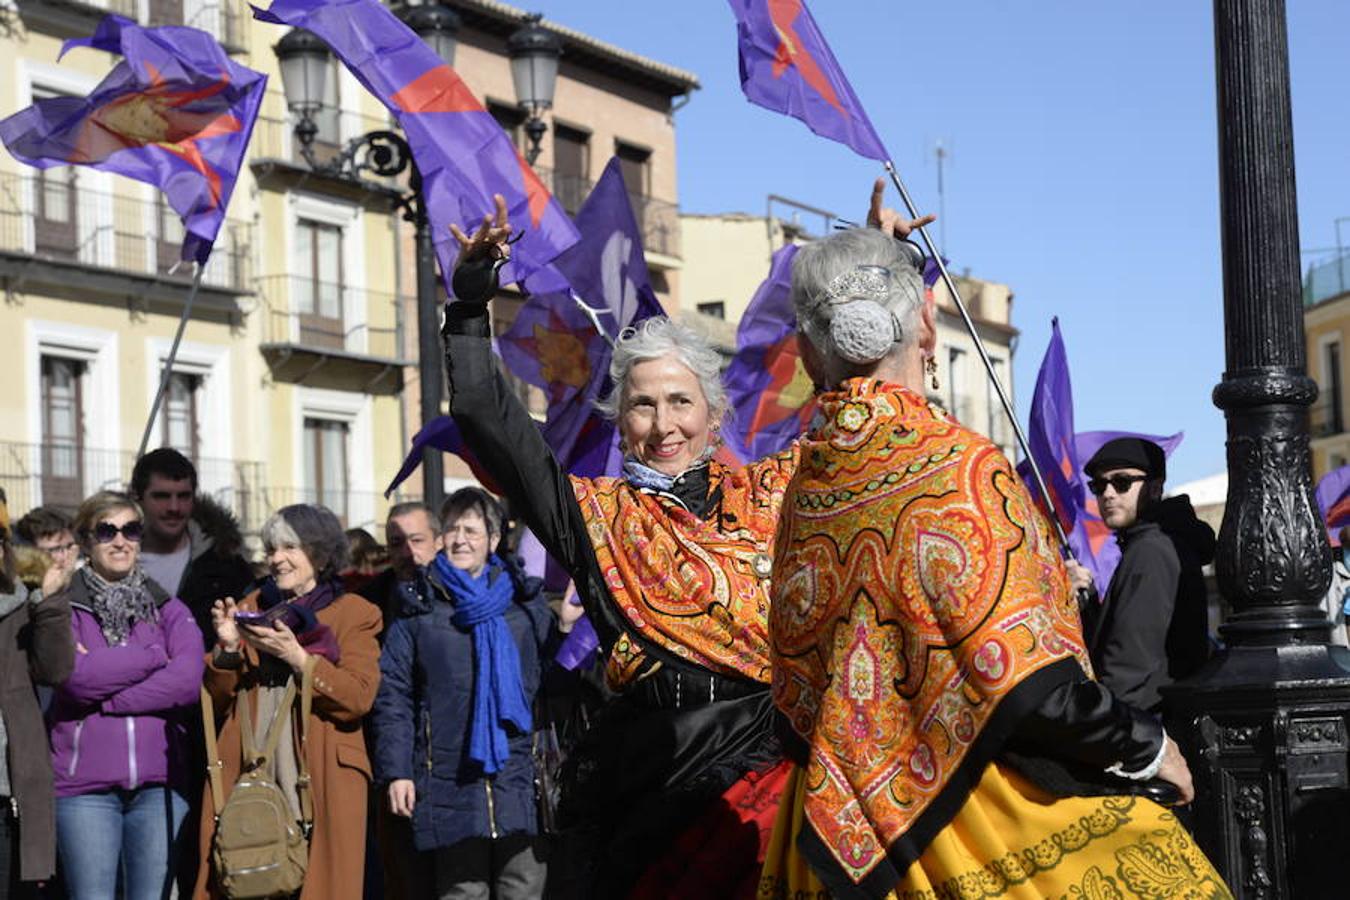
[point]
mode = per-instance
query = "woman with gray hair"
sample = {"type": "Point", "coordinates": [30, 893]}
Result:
{"type": "Point", "coordinates": [671, 561]}
{"type": "Point", "coordinates": [299, 621]}
{"type": "Point", "coordinates": [929, 663]}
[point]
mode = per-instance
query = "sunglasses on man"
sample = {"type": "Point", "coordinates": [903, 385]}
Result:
{"type": "Point", "coordinates": [1122, 483]}
{"type": "Point", "coordinates": [107, 532]}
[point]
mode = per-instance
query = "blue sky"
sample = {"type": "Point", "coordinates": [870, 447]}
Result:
{"type": "Point", "coordinates": [1084, 168]}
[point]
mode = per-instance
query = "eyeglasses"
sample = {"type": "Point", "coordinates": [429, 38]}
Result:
{"type": "Point", "coordinates": [106, 532]}
{"type": "Point", "coordinates": [60, 549]}
{"type": "Point", "coordinates": [1122, 483]}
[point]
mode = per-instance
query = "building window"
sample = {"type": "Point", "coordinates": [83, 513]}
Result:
{"type": "Point", "coordinates": [715, 308]}
{"type": "Point", "coordinates": [62, 431]}
{"type": "Point", "coordinates": [957, 400]}
{"type": "Point", "coordinates": [1331, 381]}
{"type": "Point", "coordinates": [56, 224]}
{"type": "Point", "coordinates": [511, 118]}
{"type": "Point", "coordinates": [180, 414]}
{"type": "Point", "coordinates": [571, 166]}
{"type": "Point", "coordinates": [169, 235]}
{"type": "Point", "coordinates": [319, 286]}
{"type": "Point", "coordinates": [166, 12]}
{"type": "Point", "coordinates": [326, 464]}
{"type": "Point", "coordinates": [635, 163]}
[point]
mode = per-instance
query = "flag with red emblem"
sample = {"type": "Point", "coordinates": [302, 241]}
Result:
{"type": "Point", "coordinates": [177, 113]}
{"type": "Point", "coordinates": [787, 67]}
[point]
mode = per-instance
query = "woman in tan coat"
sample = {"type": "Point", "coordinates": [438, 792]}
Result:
{"type": "Point", "coordinates": [335, 633]}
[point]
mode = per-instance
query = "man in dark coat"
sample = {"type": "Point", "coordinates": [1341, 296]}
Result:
{"type": "Point", "coordinates": [192, 546]}
{"type": "Point", "coordinates": [1151, 629]}
{"type": "Point", "coordinates": [37, 646]}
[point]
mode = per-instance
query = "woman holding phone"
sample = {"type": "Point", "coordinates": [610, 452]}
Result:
{"type": "Point", "coordinates": [301, 620]}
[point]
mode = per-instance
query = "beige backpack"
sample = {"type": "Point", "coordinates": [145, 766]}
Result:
{"type": "Point", "coordinates": [259, 850]}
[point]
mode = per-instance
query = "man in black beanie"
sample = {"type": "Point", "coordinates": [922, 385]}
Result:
{"type": "Point", "coordinates": [1151, 629]}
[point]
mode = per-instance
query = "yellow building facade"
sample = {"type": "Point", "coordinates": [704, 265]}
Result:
{"type": "Point", "coordinates": [1326, 327]}
{"type": "Point", "coordinates": [293, 381]}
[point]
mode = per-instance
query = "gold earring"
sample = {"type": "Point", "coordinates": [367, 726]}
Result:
{"type": "Point", "coordinates": [931, 366]}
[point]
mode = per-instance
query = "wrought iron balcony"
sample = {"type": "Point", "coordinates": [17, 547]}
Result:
{"type": "Point", "coordinates": [659, 220]}
{"type": "Point", "coordinates": [316, 329]}
{"type": "Point", "coordinates": [226, 22]}
{"type": "Point", "coordinates": [50, 216]}
{"type": "Point", "coordinates": [1326, 418]}
{"type": "Point", "coordinates": [64, 474]}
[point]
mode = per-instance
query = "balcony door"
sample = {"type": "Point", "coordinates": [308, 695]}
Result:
{"type": "Point", "coordinates": [318, 297]}
{"type": "Point", "coordinates": [326, 483]}
{"type": "Point", "coordinates": [179, 416]}
{"type": "Point", "coordinates": [571, 166]}
{"type": "Point", "coordinates": [62, 451]}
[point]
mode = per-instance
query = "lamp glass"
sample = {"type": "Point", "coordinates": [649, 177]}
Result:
{"type": "Point", "coordinates": [535, 76]}
{"type": "Point", "coordinates": [304, 77]}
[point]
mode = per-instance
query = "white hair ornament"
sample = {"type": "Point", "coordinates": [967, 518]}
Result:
{"type": "Point", "coordinates": [862, 329]}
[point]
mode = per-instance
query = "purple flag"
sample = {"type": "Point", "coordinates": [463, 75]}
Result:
{"type": "Point", "coordinates": [1061, 454]}
{"type": "Point", "coordinates": [555, 345]}
{"type": "Point", "coordinates": [770, 394]}
{"type": "Point", "coordinates": [177, 113]}
{"type": "Point", "coordinates": [787, 67]}
{"type": "Point", "coordinates": [1333, 500]}
{"type": "Point", "coordinates": [461, 151]}
{"type": "Point", "coordinates": [442, 434]}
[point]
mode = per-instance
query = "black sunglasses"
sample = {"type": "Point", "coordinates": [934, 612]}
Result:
{"type": "Point", "coordinates": [1122, 483]}
{"type": "Point", "coordinates": [106, 532]}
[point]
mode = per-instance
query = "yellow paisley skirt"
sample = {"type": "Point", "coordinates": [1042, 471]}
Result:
{"type": "Point", "coordinates": [1010, 839]}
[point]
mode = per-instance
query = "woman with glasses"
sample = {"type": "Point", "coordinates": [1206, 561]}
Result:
{"type": "Point", "coordinates": [118, 725]}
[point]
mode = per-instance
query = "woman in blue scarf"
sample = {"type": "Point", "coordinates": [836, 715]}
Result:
{"type": "Point", "coordinates": [459, 672]}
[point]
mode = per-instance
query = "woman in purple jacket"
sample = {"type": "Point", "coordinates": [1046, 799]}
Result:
{"type": "Point", "coordinates": [119, 724]}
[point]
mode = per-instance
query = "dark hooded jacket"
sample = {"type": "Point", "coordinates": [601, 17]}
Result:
{"type": "Point", "coordinates": [1152, 629]}
{"type": "Point", "coordinates": [216, 568]}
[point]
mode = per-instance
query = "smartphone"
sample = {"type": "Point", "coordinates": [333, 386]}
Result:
{"type": "Point", "coordinates": [260, 619]}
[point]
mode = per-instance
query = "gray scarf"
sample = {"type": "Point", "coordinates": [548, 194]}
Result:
{"type": "Point", "coordinates": [119, 605]}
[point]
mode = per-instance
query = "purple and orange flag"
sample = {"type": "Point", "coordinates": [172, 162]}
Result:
{"type": "Point", "coordinates": [787, 66]}
{"type": "Point", "coordinates": [1060, 453]}
{"type": "Point", "coordinates": [177, 113]}
{"type": "Point", "coordinates": [461, 151]}
{"type": "Point", "coordinates": [1333, 501]}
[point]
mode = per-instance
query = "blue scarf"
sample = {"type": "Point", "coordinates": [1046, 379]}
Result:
{"type": "Point", "coordinates": [498, 695]}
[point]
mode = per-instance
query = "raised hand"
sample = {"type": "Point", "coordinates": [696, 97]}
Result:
{"type": "Point", "coordinates": [222, 620]}
{"type": "Point", "coordinates": [888, 220]}
{"type": "Point", "coordinates": [490, 239]}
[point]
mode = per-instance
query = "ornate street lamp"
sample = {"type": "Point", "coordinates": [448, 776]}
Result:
{"type": "Point", "coordinates": [534, 52]}
{"type": "Point", "coordinates": [1264, 725]}
{"type": "Point", "coordinates": [305, 67]}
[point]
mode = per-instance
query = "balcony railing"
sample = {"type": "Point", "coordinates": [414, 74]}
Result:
{"type": "Point", "coordinates": [1326, 280]}
{"type": "Point", "coordinates": [273, 138]}
{"type": "Point", "coordinates": [226, 22]}
{"type": "Point", "coordinates": [51, 216]}
{"type": "Point", "coordinates": [323, 316]}
{"type": "Point", "coordinates": [65, 474]}
{"type": "Point", "coordinates": [1326, 419]}
{"type": "Point", "coordinates": [659, 220]}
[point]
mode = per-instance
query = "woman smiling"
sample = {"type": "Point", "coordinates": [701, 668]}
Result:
{"type": "Point", "coordinates": [119, 723]}
{"type": "Point", "coordinates": [310, 626]}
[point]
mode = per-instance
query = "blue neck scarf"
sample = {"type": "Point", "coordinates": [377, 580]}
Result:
{"type": "Point", "coordinates": [498, 695]}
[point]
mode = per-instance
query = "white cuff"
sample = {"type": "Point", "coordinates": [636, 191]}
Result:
{"type": "Point", "coordinates": [1144, 774]}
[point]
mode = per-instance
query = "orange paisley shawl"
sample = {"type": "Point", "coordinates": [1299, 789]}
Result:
{"type": "Point", "coordinates": [688, 585]}
{"type": "Point", "coordinates": [915, 586]}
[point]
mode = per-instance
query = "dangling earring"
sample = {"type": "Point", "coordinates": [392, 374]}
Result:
{"type": "Point", "coordinates": [930, 365]}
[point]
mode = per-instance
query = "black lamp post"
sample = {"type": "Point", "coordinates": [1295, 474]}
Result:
{"type": "Point", "coordinates": [534, 52]}
{"type": "Point", "coordinates": [305, 65]}
{"type": "Point", "coordinates": [1264, 725]}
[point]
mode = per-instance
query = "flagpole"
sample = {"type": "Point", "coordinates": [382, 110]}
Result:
{"type": "Point", "coordinates": [173, 354]}
{"type": "Point", "coordinates": [936, 256]}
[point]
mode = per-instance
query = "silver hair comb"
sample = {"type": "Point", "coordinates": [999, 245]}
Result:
{"type": "Point", "coordinates": [859, 283]}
